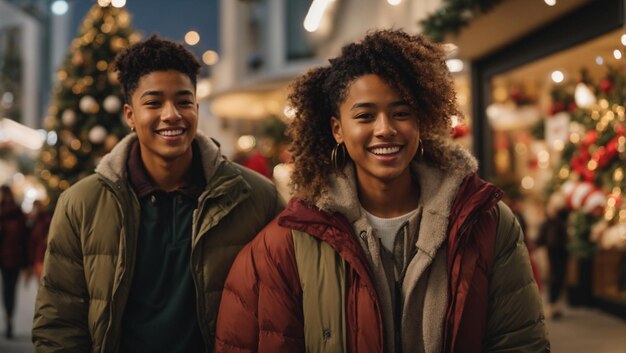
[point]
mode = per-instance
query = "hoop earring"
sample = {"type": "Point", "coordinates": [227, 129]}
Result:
{"type": "Point", "coordinates": [338, 157]}
{"type": "Point", "coordinates": [421, 149]}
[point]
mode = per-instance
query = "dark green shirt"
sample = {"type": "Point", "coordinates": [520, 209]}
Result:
{"type": "Point", "coordinates": [161, 314]}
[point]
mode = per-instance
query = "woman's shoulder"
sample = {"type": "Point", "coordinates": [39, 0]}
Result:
{"type": "Point", "coordinates": [509, 231]}
{"type": "Point", "coordinates": [272, 239]}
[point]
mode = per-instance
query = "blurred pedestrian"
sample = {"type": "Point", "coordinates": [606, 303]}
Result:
{"type": "Point", "coordinates": [38, 222]}
{"type": "Point", "coordinates": [391, 243]}
{"type": "Point", "coordinates": [13, 240]}
{"type": "Point", "coordinates": [513, 200]}
{"type": "Point", "coordinates": [553, 235]}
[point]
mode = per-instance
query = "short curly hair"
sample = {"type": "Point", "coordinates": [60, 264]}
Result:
{"type": "Point", "coordinates": [153, 54]}
{"type": "Point", "coordinates": [411, 64]}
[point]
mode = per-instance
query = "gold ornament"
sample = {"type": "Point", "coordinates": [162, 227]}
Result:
{"type": "Point", "coordinates": [78, 59]}
{"type": "Point", "coordinates": [102, 65]}
{"type": "Point", "coordinates": [123, 19]}
{"type": "Point", "coordinates": [86, 147]}
{"type": "Point", "coordinates": [118, 43]}
{"type": "Point", "coordinates": [110, 142]}
{"type": "Point", "coordinates": [46, 157]}
{"type": "Point", "coordinates": [69, 161]}
{"type": "Point", "coordinates": [134, 38]}
{"type": "Point", "coordinates": [45, 174]}
{"type": "Point", "coordinates": [75, 144]}
{"type": "Point", "coordinates": [64, 184]}
{"type": "Point", "coordinates": [53, 181]}
{"type": "Point", "coordinates": [112, 76]}
{"type": "Point", "coordinates": [106, 27]}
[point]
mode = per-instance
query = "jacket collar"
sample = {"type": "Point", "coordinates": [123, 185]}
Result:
{"type": "Point", "coordinates": [113, 165]}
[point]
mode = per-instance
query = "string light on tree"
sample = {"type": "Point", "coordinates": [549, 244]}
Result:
{"type": "Point", "coordinates": [210, 57]}
{"type": "Point", "coordinates": [192, 38]}
{"type": "Point", "coordinates": [118, 3]}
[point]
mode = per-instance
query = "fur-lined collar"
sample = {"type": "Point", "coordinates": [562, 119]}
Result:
{"type": "Point", "coordinates": [113, 165]}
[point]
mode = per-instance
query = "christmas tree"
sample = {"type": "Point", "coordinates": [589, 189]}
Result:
{"type": "Point", "coordinates": [593, 163]}
{"type": "Point", "coordinates": [85, 116]}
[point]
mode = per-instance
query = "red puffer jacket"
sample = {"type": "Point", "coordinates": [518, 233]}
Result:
{"type": "Point", "coordinates": [13, 237]}
{"type": "Point", "coordinates": [261, 307]}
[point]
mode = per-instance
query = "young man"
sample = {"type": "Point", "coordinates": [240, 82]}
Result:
{"type": "Point", "coordinates": [138, 252]}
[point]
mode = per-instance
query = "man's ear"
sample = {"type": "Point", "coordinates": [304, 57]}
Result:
{"type": "Point", "coordinates": [335, 126]}
{"type": "Point", "coordinates": [129, 116]}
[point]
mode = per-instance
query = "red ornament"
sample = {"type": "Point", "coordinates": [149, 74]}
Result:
{"type": "Point", "coordinates": [556, 108]}
{"type": "Point", "coordinates": [572, 107]}
{"type": "Point", "coordinates": [590, 138]}
{"type": "Point", "coordinates": [459, 131]}
{"type": "Point", "coordinates": [606, 85]}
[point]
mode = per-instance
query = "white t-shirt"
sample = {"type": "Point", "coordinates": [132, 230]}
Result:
{"type": "Point", "coordinates": [387, 228]}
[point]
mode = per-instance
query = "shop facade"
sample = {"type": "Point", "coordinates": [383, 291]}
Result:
{"type": "Point", "coordinates": [548, 122]}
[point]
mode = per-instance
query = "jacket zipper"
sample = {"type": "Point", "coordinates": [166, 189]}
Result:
{"type": "Point", "coordinates": [200, 305]}
{"type": "Point", "coordinates": [130, 263]}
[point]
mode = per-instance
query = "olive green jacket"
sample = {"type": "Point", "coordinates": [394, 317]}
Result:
{"type": "Point", "coordinates": [88, 268]}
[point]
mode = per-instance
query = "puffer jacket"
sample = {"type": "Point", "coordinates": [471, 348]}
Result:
{"type": "Point", "coordinates": [492, 302]}
{"type": "Point", "coordinates": [88, 269]}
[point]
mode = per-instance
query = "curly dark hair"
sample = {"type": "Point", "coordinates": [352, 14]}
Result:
{"type": "Point", "coordinates": [411, 64]}
{"type": "Point", "coordinates": [153, 54]}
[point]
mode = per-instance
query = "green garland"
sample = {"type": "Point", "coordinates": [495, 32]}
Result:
{"type": "Point", "coordinates": [454, 15]}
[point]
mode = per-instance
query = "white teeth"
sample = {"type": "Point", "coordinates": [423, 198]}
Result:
{"type": "Point", "coordinates": [170, 132]}
{"type": "Point", "coordinates": [385, 150]}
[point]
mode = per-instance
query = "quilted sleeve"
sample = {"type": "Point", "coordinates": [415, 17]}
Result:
{"type": "Point", "coordinates": [61, 308]}
{"type": "Point", "coordinates": [515, 321]}
{"type": "Point", "coordinates": [261, 307]}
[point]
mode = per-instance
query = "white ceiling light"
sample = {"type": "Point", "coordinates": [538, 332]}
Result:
{"type": "Point", "coordinates": [394, 2]}
{"type": "Point", "coordinates": [550, 2]}
{"type": "Point", "coordinates": [557, 76]}
{"type": "Point", "coordinates": [316, 12]}
{"type": "Point", "coordinates": [599, 60]}
{"type": "Point", "coordinates": [617, 54]}
{"type": "Point", "coordinates": [454, 65]}
{"type": "Point", "coordinates": [60, 7]}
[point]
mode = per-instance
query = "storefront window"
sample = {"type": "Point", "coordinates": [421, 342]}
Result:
{"type": "Point", "coordinates": [558, 130]}
{"type": "Point", "coordinates": [298, 42]}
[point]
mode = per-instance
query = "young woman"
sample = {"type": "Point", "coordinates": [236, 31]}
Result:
{"type": "Point", "coordinates": [391, 243]}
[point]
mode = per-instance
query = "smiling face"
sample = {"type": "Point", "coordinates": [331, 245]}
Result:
{"type": "Point", "coordinates": [164, 113]}
{"type": "Point", "coordinates": [380, 131]}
